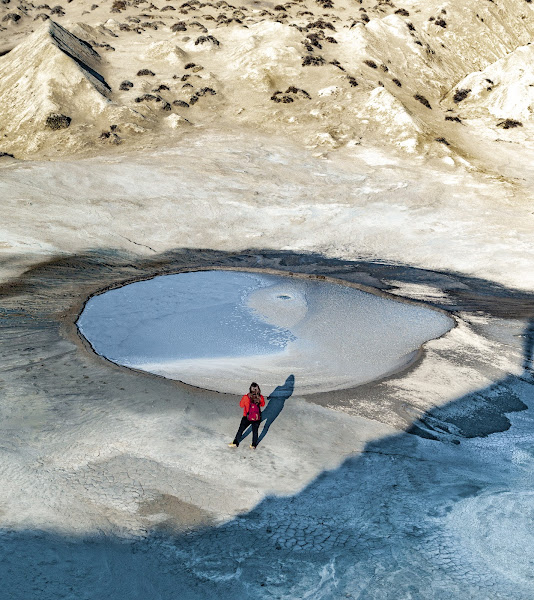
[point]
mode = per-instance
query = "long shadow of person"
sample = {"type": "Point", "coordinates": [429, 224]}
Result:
{"type": "Point", "coordinates": [528, 351]}
{"type": "Point", "coordinates": [276, 401]}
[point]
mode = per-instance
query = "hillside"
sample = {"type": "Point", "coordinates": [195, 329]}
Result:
{"type": "Point", "coordinates": [329, 74]}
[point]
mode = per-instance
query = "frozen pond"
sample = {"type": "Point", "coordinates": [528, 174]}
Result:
{"type": "Point", "coordinates": [222, 329]}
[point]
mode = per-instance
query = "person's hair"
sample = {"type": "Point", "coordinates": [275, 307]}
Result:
{"type": "Point", "coordinates": [254, 391]}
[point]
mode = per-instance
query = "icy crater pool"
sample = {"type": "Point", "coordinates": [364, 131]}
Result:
{"type": "Point", "coordinates": [220, 330]}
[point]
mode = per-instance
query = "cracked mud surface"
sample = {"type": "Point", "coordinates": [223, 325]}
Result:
{"type": "Point", "coordinates": [122, 481]}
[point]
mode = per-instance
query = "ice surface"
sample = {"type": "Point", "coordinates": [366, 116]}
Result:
{"type": "Point", "coordinates": [192, 315]}
{"type": "Point", "coordinates": [221, 329]}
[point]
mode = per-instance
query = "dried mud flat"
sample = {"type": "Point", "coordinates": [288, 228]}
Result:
{"type": "Point", "coordinates": [372, 144]}
{"type": "Point", "coordinates": [109, 466]}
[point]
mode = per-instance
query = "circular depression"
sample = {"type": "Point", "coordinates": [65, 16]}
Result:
{"type": "Point", "coordinates": [220, 330]}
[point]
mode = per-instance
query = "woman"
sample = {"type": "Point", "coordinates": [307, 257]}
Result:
{"type": "Point", "coordinates": [251, 404]}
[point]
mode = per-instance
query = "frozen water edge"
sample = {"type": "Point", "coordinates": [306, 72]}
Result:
{"type": "Point", "coordinates": [220, 329]}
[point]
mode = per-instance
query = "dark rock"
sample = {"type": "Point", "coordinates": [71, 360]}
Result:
{"type": "Point", "coordinates": [146, 98]}
{"type": "Point", "coordinates": [460, 95]}
{"type": "Point", "coordinates": [118, 6]}
{"type": "Point", "coordinates": [314, 61]}
{"type": "Point", "coordinates": [56, 121]}
{"type": "Point", "coordinates": [509, 124]}
{"type": "Point", "coordinates": [207, 39]}
{"type": "Point", "coordinates": [180, 26]}
{"type": "Point", "coordinates": [422, 100]}
{"type": "Point", "coordinates": [206, 90]}
{"type": "Point", "coordinates": [11, 17]}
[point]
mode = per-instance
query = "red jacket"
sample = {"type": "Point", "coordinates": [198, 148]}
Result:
{"type": "Point", "coordinates": [245, 403]}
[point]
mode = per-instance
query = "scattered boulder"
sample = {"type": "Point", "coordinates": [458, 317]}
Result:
{"type": "Point", "coordinates": [206, 91]}
{"type": "Point", "coordinates": [14, 17]}
{"type": "Point", "coordinates": [370, 63]}
{"type": "Point", "coordinates": [278, 97]}
{"type": "Point", "coordinates": [204, 39]}
{"type": "Point", "coordinates": [180, 26]}
{"type": "Point", "coordinates": [313, 61]}
{"type": "Point", "coordinates": [57, 121]}
{"type": "Point", "coordinates": [460, 95]}
{"type": "Point", "coordinates": [509, 124]}
{"type": "Point", "coordinates": [423, 100]}
{"type": "Point", "coordinates": [118, 6]}
{"type": "Point", "coordinates": [147, 98]}
{"type": "Point", "coordinates": [111, 136]}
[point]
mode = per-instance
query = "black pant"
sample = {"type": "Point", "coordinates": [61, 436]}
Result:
{"type": "Point", "coordinates": [243, 425]}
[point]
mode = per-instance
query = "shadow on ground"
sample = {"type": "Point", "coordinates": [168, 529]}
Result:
{"type": "Point", "coordinates": [433, 513]}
